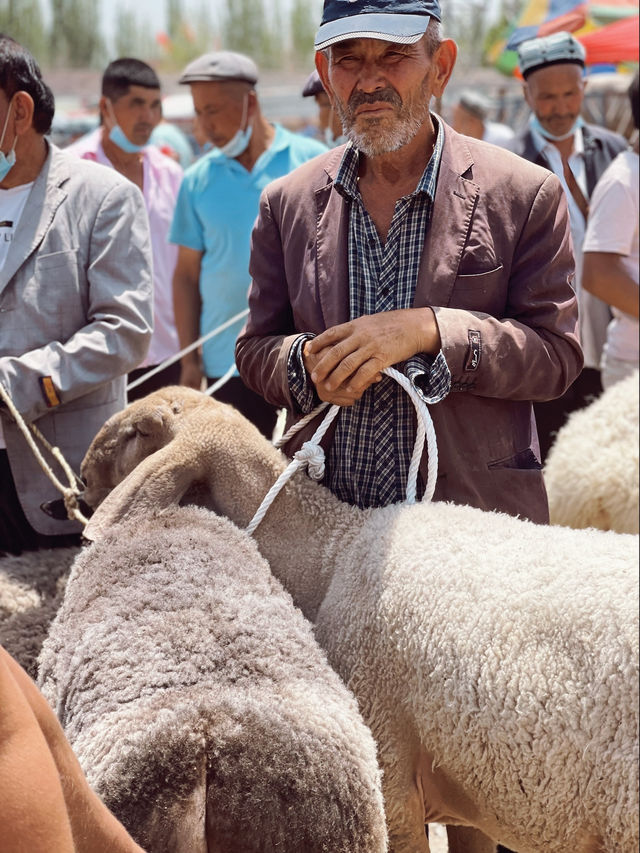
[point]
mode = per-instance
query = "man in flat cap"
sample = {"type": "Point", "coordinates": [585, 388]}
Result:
{"type": "Point", "coordinates": [578, 153]}
{"type": "Point", "coordinates": [215, 211]}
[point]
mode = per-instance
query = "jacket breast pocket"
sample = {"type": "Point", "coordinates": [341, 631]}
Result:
{"type": "Point", "coordinates": [485, 290]}
{"type": "Point", "coordinates": [56, 292]}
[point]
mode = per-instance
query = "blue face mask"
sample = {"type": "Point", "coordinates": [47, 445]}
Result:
{"type": "Point", "coordinates": [535, 125]}
{"type": "Point", "coordinates": [239, 142]}
{"type": "Point", "coordinates": [117, 136]}
{"type": "Point", "coordinates": [7, 161]}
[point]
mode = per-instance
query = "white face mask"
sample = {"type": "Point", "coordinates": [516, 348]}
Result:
{"type": "Point", "coordinates": [7, 161]}
{"type": "Point", "coordinates": [535, 123]}
{"type": "Point", "coordinates": [239, 142]}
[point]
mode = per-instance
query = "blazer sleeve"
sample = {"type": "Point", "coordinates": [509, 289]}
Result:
{"type": "Point", "coordinates": [263, 346]}
{"type": "Point", "coordinates": [119, 310]}
{"type": "Point", "coordinates": [532, 352]}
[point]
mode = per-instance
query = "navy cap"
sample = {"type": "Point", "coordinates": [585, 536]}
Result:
{"type": "Point", "coordinates": [555, 49]}
{"type": "Point", "coordinates": [313, 85]}
{"type": "Point", "coordinates": [401, 21]}
{"type": "Point", "coordinates": [219, 67]}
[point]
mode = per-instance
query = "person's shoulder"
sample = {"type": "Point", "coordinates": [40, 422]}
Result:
{"type": "Point", "coordinates": [207, 168]}
{"type": "Point", "coordinates": [609, 138]}
{"type": "Point", "coordinates": [308, 176]}
{"type": "Point", "coordinates": [87, 179]}
{"type": "Point", "coordinates": [488, 162]}
{"type": "Point", "coordinates": [163, 162]}
{"type": "Point", "coordinates": [303, 144]}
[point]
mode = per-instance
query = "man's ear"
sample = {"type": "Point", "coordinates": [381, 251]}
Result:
{"type": "Point", "coordinates": [23, 109]}
{"type": "Point", "coordinates": [444, 60]}
{"type": "Point", "coordinates": [322, 67]}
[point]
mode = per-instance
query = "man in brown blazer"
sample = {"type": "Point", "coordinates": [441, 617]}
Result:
{"type": "Point", "coordinates": [416, 247]}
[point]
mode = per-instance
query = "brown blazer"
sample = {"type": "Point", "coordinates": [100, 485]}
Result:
{"type": "Point", "coordinates": [497, 268]}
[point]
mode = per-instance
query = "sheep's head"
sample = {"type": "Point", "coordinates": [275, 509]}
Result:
{"type": "Point", "coordinates": [130, 436]}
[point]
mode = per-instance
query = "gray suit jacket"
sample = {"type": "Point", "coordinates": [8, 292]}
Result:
{"type": "Point", "coordinates": [496, 267]}
{"type": "Point", "coordinates": [76, 306]}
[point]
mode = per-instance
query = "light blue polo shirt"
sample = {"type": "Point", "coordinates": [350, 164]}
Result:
{"type": "Point", "coordinates": [216, 208]}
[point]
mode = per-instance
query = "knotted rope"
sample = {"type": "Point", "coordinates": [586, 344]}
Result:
{"type": "Point", "coordinates": [70, 493]}
{"type": "Point", "coordinates": [311, 453]}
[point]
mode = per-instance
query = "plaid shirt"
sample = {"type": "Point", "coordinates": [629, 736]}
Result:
{"type": "Point", "coordinates": [369, 458]}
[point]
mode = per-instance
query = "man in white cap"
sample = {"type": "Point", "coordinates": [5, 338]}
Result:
{"type": "Point", "coordinates": [215, 211]}
{"type": "Point", "coordinates": [578, 153]}
{"type": "Point", "coordinates": [417, 247]}
{"type": "Point", "coordinates": [471, 117]}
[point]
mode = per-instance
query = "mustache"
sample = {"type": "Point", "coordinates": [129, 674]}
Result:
{"type": "Point", "coordinates": [358, 98]}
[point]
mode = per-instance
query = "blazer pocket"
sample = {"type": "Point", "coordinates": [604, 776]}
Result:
{"type": "Point", "coordinates": [55, 260]}
{"type": "Point", "coordinates": [476, 279]}
{"type": "Point", "coordinates": [485, 290]}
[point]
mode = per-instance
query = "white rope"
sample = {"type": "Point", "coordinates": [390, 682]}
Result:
{"type": "Point", "coordinates": [69, 493]}
{"type": "Point", "coordinates": [311, 453]}
{"type": "Point", "coordinates": [172, 359]}
{"type": "Point", "coordinates": [222, 381]}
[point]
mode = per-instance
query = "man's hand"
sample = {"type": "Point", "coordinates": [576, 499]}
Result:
{"type": "Point", "coordinates": [191, 375]}
{"type": "Point", "coordinates": [345, 360]}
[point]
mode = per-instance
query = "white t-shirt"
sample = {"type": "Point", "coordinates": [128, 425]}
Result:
{"type": "Point", "coordinates": [613, 227]}
{"type": "Point", "coordinates": [12, 204]}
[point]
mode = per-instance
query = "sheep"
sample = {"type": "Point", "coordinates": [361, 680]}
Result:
{"type": "Point", "coordinates": [31, 588]}
{"type": "Point", "coordinates": [591, 473]}
{"type": "Point", "coordinates": [494, 660]}
{"type": "Point", "coordinates": [201, 708]}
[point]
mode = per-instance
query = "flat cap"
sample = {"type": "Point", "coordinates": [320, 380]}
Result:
{"type": "Point", "coordinates": [220, 66]}
{"type": "Point", "coordinates": [399, 21]}
{"type": "Point", "coordinates": [550, 50]}
{"type": "Point", "coordinates": [313, 85]}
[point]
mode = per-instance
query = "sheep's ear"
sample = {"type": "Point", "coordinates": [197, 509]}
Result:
{"type": "Point", "coordinates": [159, 481]}
{"type": "Point", "coordinates": [176, 407]}
{"type": "Point", "coordinates": [150, 423]}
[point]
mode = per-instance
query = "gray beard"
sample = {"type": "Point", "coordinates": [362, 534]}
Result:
{"type": "Point", "coordinates": [378, 139]}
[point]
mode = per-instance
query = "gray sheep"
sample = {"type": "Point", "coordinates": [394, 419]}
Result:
{"type": "Point", "coordinates": [201, 708]}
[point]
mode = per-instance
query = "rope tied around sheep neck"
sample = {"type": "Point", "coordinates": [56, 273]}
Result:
{"type": "Point", "coordinates": [69, 493]}
{"type": "Point", "coordinates": [312, 455]}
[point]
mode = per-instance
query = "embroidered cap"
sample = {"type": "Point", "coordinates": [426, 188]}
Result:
{"type": "Point", "coordinates": [220, 66]}
{"type": "Point", "coordinates": [550, 50]}
{"type": "Point", "coordinates": [401, 21]}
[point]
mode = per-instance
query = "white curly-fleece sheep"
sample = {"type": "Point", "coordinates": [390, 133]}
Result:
{"type": "Point", "coordinates": [31, 588]}
{"type": "Point", "coordinates": [201, 708]}
{"type": "Point", "coordinates": [495, 660]}
{"type": "Point", "coordinates": [591, 473]}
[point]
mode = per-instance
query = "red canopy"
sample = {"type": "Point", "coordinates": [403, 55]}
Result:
{"type": "Point", "coordinates": [617, 42]}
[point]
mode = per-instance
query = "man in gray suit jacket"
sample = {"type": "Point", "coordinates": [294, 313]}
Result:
{"type": "Point", "coordinates": [417, 247]}
{"type": "Point", "coordinates": [75, 297]}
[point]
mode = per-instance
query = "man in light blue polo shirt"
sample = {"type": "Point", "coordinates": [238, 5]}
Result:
{"type": "Point", "coordinates": [215, 211]}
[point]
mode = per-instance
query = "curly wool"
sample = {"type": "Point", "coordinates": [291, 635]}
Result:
{"type": "Point", "coordinates": [591, 473]}
{"type": "Point", "coordinates": [495, 660]}
{"type": "Point", "coordinates": [31, 589]}
{"type": "Point", "coordinates": [198, 702]}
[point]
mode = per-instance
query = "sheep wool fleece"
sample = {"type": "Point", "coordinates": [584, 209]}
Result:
{"type": "Point", "coordinates": [495, 660]}
{"type": "Point", "coordinates": [592, 472]}
{"type": "Point", "coordinates": [200, 707]}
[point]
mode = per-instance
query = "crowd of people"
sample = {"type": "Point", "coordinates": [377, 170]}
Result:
{"type": "Point", "coordinates": [497, 270]}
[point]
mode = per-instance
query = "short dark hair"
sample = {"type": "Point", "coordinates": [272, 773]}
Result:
{"type": "Point", "coordinates": [19, 72]}
{"type": "Point", "coordinates": [123, 73]}
{"type": "Point", "coordinates": [633, 97]}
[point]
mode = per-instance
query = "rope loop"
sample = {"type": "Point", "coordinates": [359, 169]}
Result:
{"type": "Point", "coordinates": [312, 455]}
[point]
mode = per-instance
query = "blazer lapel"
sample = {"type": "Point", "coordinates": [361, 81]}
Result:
{"type": "Point", "coordinates": [44, 199]}
{"type": "Point", "coordinates": [332, 238]}
{"type": "Point", "coordinates": [450, 223]}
